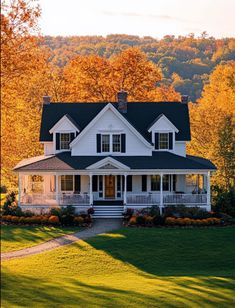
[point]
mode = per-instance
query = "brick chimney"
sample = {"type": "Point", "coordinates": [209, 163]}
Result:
{"type": "Point", "coordinates": [46, 100]}
{"type": "Point", "coordinates": [184, 99]}
{"type": "Point", "coordinates": [122, 101]}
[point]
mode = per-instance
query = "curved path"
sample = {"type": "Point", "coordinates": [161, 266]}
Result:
{"type": "Point", "coordinates": [99, 226]}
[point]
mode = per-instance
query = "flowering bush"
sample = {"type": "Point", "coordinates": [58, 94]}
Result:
{"type": "Point", "coordinates": [132, 221]}
{"type": "Point", "coordinates": [54, 220]}
{"type": "Point", "coordinates": [90, 211]}
{"type": "Point", "coordinates": [172, 221]}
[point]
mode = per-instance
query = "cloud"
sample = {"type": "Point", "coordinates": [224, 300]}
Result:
{"type": "Point", "coordinates": [143, 15]}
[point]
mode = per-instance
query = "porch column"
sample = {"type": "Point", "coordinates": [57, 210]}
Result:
{"type": "Point", "coordinates": [161, 192]}
{"type": "Point", "coordinates": [57, 188]}
{"type": "Point", "coordinates": [91, 194]}
{"type": "Point", "coordinates": [125, 189]}
{"type": "Point", "coordinates": [208, 192]}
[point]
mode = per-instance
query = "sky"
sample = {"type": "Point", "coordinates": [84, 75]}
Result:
{"type": "Point", "coordinates": [154, 18]}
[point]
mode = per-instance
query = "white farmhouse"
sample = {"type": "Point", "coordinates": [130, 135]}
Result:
{"type": "Point", "coordinates": [114, 156]}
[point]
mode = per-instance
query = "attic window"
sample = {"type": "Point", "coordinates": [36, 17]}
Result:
{"type": "Point", "coordinates": [163, 141]}
{"type": "Point", "coordinates": [64, 141]}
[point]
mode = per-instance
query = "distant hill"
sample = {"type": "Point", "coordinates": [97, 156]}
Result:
{"type": "Point", "coordinates": [186, 62]}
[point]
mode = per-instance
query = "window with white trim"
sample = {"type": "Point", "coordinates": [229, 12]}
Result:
{"type": "Point", "coordinates": [163, 141]}
{"type": "Point", "coordinates": [111, 143]}
{"type": "Point", "coordinates": [117, 143]}
{"type": "Point", "coordinates": [64, 141]}
{"type": "Point", "coordinates": [105, 143]}
{"type": "Point", "coordinates": [66, 182]}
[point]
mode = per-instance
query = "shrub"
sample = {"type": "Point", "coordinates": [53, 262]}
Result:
{"type": "Point", "coordinates": [66, 219]}
{"type": "Point", "coordinates": [78, 220]}
{"type": "Point", "coordinates": [22, 220]}
{"type": "Point", "coordinates": [87, 219]}
{"type": "Point", "coordinates": [54, 220]}
{"type": "Point", "coordinates": [223, 200]}
{"type": "Point", "coordinates": [55, 212]}
{"type": "Point", "coordinates": [182, 211]}
{"type": "Point", "coordinates": [15, 219]}
{"type": "Point", "coordinates": [90, 211]}
{"type": "Point", "coordinates": [27, 220]}
{"type": "Point", "coordinates": [170, 221]}
{"type": "Point", "coordinates": [158, 220]}
{"type": "Point", "coordinates": [132, 221]}
{"type": "Point", "coordinates": [44, 220]}
{"type": "Point", "coordinates": [11, 207]}
{"type": "Point", "coordinates": [68, 210]}
{"type": "Point", "coordinates": [148, 220]}
{"type": "Point", "coordinates": [140, 220]}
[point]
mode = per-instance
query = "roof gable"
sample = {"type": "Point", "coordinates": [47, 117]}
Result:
{"type": "Point", "coordinates": [162, 123]}
{"type": "Point", "coordinates": [119, 115]}
{"type": "Point", "coordinates": [108, 163]}
{"type": "Point", "coordinates": [65, 123]}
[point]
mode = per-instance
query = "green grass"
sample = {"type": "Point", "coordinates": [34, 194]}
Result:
{"type": "Point", "coordinates": [131, 267]}
{"type": "Point", "coordinates": [15, 237]}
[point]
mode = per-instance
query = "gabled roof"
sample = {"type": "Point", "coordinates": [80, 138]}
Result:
{"type": "Point", "coordinates": [123, 119]}
{"type": "Point", "coordinates": [158, 161]}
{"type": "Point", "coordinates": [139, 114]}
{"type": "Point", "coordinates": [166, 119]}
{"type": "Point", "coordinates": [69, 118]}
{"type": "Point", "coordinates": [111, 162]}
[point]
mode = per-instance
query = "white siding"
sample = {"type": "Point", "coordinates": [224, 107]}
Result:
{"type": "Point", "coordinates": [49, 148]}
{"type": "Point", "coordinates": [110, 123]}
{"type": "Point", "coordinates": [180, 148]}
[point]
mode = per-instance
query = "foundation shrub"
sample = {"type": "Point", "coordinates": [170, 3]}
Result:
{"type": "Point", "coordinates": [132, 221]}
{"type": "Point", "coordinates": [140, 220]}
{"type": "Point", "coordinates": [54, 220]}
{"type": "Point", "coordinates": [181, 211]}
{"type": "Point", "coordinates": [158, 220]}
{"type": "Point", "coordinates": [128, 214]}
{"type": "Point", "coordinates": [90, 211]}
{"type": "Point", "coordinates": [148, 220]}
{"type": "Point", "coordinates": [55, 211]}
{"type": "Point", "coordinates": [43, 220]}
{"type": "Point", "coordinates": [22, 220]}
{"type": "Point", "coordinates": [15, 219]}
{"type": "Point", "coordinates": [78, 220]}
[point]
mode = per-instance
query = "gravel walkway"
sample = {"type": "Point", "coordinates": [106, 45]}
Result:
{"type": "Point", "coordinates": [99, 226]}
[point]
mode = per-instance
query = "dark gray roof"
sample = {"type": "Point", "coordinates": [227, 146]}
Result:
{"type": "Point", "coordinates": [139, 114]}
{"type": "Point", "coordinates": [159, 160]}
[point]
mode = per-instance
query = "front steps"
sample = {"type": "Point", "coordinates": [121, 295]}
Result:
{"type": "Point", "coordinates": [108, 211]}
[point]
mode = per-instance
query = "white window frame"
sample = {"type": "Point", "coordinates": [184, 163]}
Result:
{"type": "Point", "coordinates": [64, 141]}
{"type": "Point", "coordinates": [111, 143]}
{"type": "Point", "coordinates": [159, 141]}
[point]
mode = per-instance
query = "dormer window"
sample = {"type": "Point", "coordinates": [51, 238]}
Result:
{"type": "Point", "coordinates": [111, 143]}
{"type": "Point", "coordinates": [163, 141]}
{"type": "Point", "coordinates": [64, 141]}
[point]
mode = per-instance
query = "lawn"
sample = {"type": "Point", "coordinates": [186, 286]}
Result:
{"type": "Point", "coordinates": [15, 237]}
{"type": "Point", "coordinates": [131, 267]}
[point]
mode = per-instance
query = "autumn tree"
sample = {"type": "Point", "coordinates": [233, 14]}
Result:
{"type": "Point", "coordinates": [225, 150]}
{"type": "Point", "coordinates": [218, 101]}
{"type": "Point", "coordinates": [93, 78]}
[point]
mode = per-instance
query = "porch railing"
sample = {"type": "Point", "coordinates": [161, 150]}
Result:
{"type": "Point", "coordinates": [74, 199]}
{"type": "Point", "coordinates": [143, 198]}
{"type": "Point", "coordinates": [38, 199]}
{"type": "Point", "coordinates": [185, 199]}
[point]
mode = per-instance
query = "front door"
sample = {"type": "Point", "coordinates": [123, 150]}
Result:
{"type": "Point", "coordinates": [109, 186]}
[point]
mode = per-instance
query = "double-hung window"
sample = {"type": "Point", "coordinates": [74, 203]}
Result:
{"type": "Point", "coordinates": [105, 142]}
{"type": "Point", "coordinates": [116, 143]}
{"type": "Point", "coordinates": [64, 141]}
{"type": "Point", "coordinates": [163, 141]}
{"type": "Point", "coordinates": [111, 143]}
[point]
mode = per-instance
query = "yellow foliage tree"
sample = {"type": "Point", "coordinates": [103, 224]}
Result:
{"type": "Point", "coordinates": [218, 101]}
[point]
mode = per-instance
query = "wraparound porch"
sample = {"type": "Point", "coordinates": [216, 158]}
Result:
{"type": "Point", "coordinates": [131, 189]}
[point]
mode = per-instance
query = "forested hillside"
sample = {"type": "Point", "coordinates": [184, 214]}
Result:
{"type": "Point", "coordinates": [91, 69]}
{"type": "Point", "coordinates": [186, 62]}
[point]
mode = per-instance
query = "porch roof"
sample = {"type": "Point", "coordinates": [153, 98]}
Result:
{"type": "Point", "coordinates": [159, 160]}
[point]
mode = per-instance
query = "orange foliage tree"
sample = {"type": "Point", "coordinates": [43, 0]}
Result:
{"type": "Point", "coordinates": [93, 78]}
